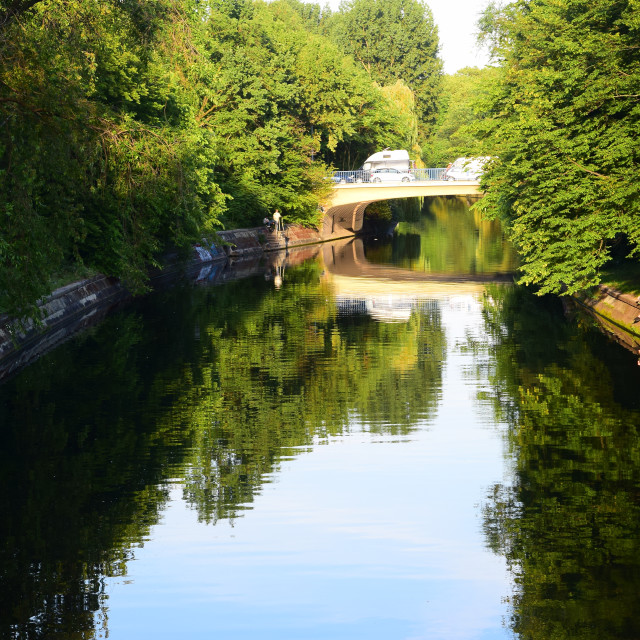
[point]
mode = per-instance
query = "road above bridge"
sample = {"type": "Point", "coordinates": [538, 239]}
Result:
{"type": "Point", "coordinates": [344, 209]}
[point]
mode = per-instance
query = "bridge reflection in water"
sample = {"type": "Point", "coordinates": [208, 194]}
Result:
{"type": "Point", "coordinates": [390, 293]}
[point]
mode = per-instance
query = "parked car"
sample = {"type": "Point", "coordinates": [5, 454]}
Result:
{"type": "Point", "coordinates": [343, 177]}
{"type": "Point", "coordinates": [391, 175]}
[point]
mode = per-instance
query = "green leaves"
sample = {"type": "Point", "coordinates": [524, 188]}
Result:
{"type": "Point", "coordinates": [130, 126]}
{"type": "Point", "coordinates": [97, 164]}
{"type": "Point", "coordinates": [284, 103]}
{"type": "Point", "coordinates": [564, 126]}
{"type": "Point", "coordinates": [395, 40]}
{"type": "Point", "coordinates": [465, 100]}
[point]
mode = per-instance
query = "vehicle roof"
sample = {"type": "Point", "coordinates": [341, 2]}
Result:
{"type": "Point", "coordinates": [388, 154]}
{"type": "Point", "coordinates": [470, 161]}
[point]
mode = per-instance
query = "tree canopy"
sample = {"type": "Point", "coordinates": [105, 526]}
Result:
{"type": "Point", "coordinates": [394, 40]}
{"type": "Point", "coordinates": [127, 127]}
{"type": "Point", "coordinates": [462, 103]}
{"type": "Point", "coordinates": [562, 123]}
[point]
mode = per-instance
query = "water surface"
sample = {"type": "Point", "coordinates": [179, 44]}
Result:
{"type": "Point", "coordinates": [352, 443]}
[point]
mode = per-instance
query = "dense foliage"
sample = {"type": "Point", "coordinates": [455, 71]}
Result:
{"type": "Point", "coordinates": [462, 104]}
{"type": "Point", "coordinates": [563, 125]}
{"type": "Point", "coordinates": [127, 126]}
{"type": "Point", "coordinates": [394, 40]}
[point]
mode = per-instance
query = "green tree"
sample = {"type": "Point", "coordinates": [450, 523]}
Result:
{"type": "Point", "coordinates": [562, 123]}
{"type": "Point", "coordinates": [462, 105]}
{"type": "Point", "coordinates": [97, 161]}
{"type": "Point", "coordinates": [394, 40]}
{"type": "Point", "coordinates": [128, 127]}
{"type": "Point", "coordinates": [279, 97]}
{"type": "Point", "coordinates": [10, 9]}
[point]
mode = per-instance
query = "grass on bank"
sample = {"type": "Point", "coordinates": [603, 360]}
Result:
{"type": "Point", "coordinates": [624, 277]}
{"type": "Point", "coordinates": [71, 273]}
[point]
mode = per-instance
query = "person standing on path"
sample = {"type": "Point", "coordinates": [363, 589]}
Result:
{"type": "Point", "coordinates": [276, 218]}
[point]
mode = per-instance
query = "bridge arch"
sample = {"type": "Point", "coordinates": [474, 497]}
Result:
{"type": "Point", "coordinates": [344, 209]}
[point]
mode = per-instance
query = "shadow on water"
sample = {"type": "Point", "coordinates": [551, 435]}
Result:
{"type": "Point", "coordinates": [201, 385]}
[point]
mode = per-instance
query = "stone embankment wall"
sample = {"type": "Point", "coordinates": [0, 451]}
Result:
{"type": "Point", "coordinates": [618, 315]}
{"type": "Point", "coordinates": [249, 241]}
{"type": "Point", "coordinates": [81, 304]}
{"type": "Point", "coordinates": [63, 313]}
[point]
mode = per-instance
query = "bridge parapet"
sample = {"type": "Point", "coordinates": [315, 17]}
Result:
{"type": "Point", "coordinates": [354, 190]}
{"type": "Point", "coordinates": [359, 176]}
{"type": "Point", "coordinates": [344, 209]}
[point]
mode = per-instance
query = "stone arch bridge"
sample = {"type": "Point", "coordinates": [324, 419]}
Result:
{"type": "Point", "coordinates": [344, 209]}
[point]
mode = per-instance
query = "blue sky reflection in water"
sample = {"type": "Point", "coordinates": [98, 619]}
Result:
{"type": "Point", "coordinates": [362, 536]}
{"type": "Point", "coordinates": [333, 458]}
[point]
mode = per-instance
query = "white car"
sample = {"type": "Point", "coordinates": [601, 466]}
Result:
{"type": "Point", "coordinates": [466, 168]}
{"type": "Point", "coordinates": [391, 175]}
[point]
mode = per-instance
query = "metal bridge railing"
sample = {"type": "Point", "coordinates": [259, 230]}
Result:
{"type": "Point", "coordinates": [430, 174]}
{"type": "Point", "coordinates": [352, 177]}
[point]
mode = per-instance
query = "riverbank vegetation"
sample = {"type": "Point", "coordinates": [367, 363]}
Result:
{"type": "Point", "coordinates": [561, 121]}
{"type": "Point", "coordinates": [558, 111]}
{"type": "Point", "coordinates": [129, 127]}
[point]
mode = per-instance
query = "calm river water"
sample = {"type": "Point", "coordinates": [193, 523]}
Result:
{"type": "Point", "coordinates": [382, 441]}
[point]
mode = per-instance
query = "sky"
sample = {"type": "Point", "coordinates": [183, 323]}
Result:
{"type": "Point", "coordinates": [456, 20]}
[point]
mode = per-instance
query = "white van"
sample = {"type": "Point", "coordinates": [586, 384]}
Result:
{"type": "Point", "coordinates": [388, 159]}
{"type": "Point", "coordinates": [466, 168]}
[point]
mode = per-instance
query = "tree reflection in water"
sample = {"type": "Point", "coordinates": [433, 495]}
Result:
{"type": "Point", "coordinates": [212, 388]}
{"type": "Point", "coordinates": [209, 387]}
{"type": "Point", "coordinates": [448, 238]}
{"type": "Point", "coordinates": [569, 525]}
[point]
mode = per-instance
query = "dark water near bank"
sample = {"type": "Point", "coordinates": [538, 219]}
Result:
{"type": "Point", "coordinates": [360, 441]}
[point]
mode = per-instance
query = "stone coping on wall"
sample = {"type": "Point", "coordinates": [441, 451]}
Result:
{"type": "Point", "coordinates": [621, 308]}
{"type": "Point", "coordinates": [617, 313]}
